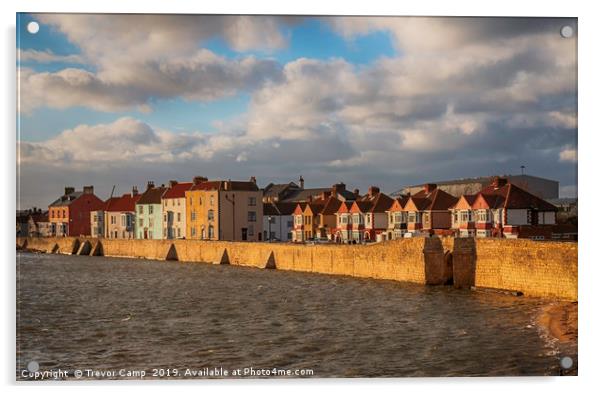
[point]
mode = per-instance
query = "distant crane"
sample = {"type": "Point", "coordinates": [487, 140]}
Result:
{"type": "Point", "coordinates": [112, 191]}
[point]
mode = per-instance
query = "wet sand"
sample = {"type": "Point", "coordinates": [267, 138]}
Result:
{"type": "Point", "coordinates": [560, 321]}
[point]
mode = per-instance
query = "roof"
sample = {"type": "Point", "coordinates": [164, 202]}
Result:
{"type": "Point", "coordinates": [510, 196]}
{"type": "Point", "coordinates": [221, 185]}
{"type": "Point", "coordinates": [483, 179]}
{"type": "Point", "coordinates": [125, 203]}
{"type": "Point", "coordinates": [274, 190]}
{"type": "Point", "coordinates": [66, 199]}
{"type": "Point", "coordinates": [279, 208]}
{"type": "Point", "coordinates": [382, 203]}
{"type": "Point", "coordinates": [178, 190]}
{"type": "Point", "coordinates": [362, 206]}
{"type": "Point", "coordinates": [440, 201]}
{"type": "Point", "coordinates": [332, 206]}
{"type": "Point", "coordinates": [151, 196]}
{"type": "Point", "coordinates": [304, 194]}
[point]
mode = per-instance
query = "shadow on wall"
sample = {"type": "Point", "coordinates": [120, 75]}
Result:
{"type": "Point", "coordinates": [464, 262]}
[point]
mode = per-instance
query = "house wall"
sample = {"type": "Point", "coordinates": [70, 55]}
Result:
{"type": "Point", "coordinates": [147, 223]}
{"type": "Point", "coordinates": [240, 215]}
{"type": "Point", "coordinates": [97, 227]}
{"type": "Point", "coordinates": [516, 217]}
{"type": "Point", "coordinates": [440, 219]}
{"type": "Point", "coordinates": [79, 214]}
{"type": "Point", "coordinates": [547, 217]}
{"type": "Point", "coordinates": [123, 232]}
{"type": "Point", "coordinates": [171, 208]}
{"type": "Point", "coordinates": [280, 227]}
{"type": "Point", "coordinates": [199, 202]}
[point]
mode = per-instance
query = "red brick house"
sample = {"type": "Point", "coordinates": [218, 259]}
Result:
{"type": "Point", "coordinates": [69, 215]}
{"type": "Point", "coordinates": [397, 218]}
{"type": "Point", "coordinates": [428, 211]}
{"type": "Point", "coordinates": [344, 225]}
{"type": "Point", "coordinates": [503, 209]}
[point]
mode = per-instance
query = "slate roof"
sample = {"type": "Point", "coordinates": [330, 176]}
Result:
{"type": "Point", "coordinates": [381, 203]}
{"type": "Point", "coordinates": [151, 196]}
{"type": "Point", "coordinates": [279, 208]}
{"type": "Point", "coordinates": [66, 199]}
{"type": "Point", "coordinates": [332, 206]}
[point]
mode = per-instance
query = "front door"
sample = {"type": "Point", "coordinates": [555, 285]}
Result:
{"type": "Point", "coordinates": [145, 233]}
{"type": "Point", "coordinates": [244, 234]}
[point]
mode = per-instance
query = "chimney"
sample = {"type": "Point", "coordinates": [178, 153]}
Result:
{"type": "Point", "coordinates": [69, 190]}
{"type": "Point", "coordinates": [373, 191]}
{"type": "Point", "coordinates": [88, 189]}
{"type": "Point", "coordinates": [134, 191]}
{"type": "Point", "coordinates": [253, 179]}
{"type": "Point", "coordinates": [356, 193]}
{"type": "Point", "coordinates": [227, 184]}
{"type": "Point", "coordinates": [338, 188]}
{"type": "Point", "coordinates": [172, 183]}
{"type": "Point", "coordinates": [150, 185]}
{"type": "Point", "coordinates": [325, 195]}
{"type": "Point", "coordinates": [429, 187]}
{"type": "Point", "coordinates": [301, 182]}
{"type": "Point", "coordinates": [199, 179]}
{"type": "Point", "coordinates": [498, 182]}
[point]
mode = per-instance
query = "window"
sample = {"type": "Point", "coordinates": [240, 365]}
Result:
{"type": "Point", "coordinates": [193, 231]}
{"type": "Point", "coordinates": [210, 215]}
{"type": "Point", "coordinates": [251, 216]}
{"type": "Point", "coordinates": [356, 218]}
{"type": "Point", "coordinates": [150, 209]}
{"type": "Point", "coordinates": [190, 200]}
{"type": "Point", "coordinates": [397, 217]}
{"type": "Point", "coordinates": [200, 200]}
{"type": "Point", "coordinates": [173, 202]}
{"type": "Point", "coordinates": [252, 201]}
{"type": "Point", "coordinates": [179, 217]}
{"type": "Point", "coordinates": [165, 217]}
{"type": "Point", "coordinates": [113, 221]}
{"type": "Point", "coordinates": [368, 218]}
{"type": "Point", "coordinates": [211, 232]}
{"type": "Point", "coordinates": [140, 209]}
{"type": "Point", "coordinates": [151, 222]}
{"type": "Point", "coordinates": [141, 222]}
{"type": "Point", "coordinates": [272, 219]}
{"type": "Point", "coordinates": [412, 217]}
{"type": "Point", "coordinates": [211, 200]}
{"type": "Point", "coordinates": [64, 213]}
{"type": "Point", "coordinates": [123, 220]}
{"type": "Point", "coordinates": [165, 203]}
{"type": "Point", "coordinates": [251, 231]}
{"type": "Point", "coordinates": [298, 220]}
{"type": "Point", "coordinates": [289, 223]}
{"type": "Point", "coordinates": [178, 202]}
{"type": "Point", "coordinates": [193, 216]}
{"type": "Point", "coordinates": [179, 234]}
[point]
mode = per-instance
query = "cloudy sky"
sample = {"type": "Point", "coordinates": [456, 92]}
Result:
{"type": "Point", "coordinates": [123, 99]}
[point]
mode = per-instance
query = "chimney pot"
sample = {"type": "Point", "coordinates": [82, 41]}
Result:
{"type": "Point", "coordinates": [88, 189]}
{"type": "Point", "coordinates": [172, 183]}
{"type": "Point", "coordinates": [69, 190]}
{"type": "Point", "coordinates": [301, 182]}
{"type": "Point", "coordinates": [134, 191]}
{"type": "Point", "coordinates": [253, 179]}
{"type": "Point", "coordinates": [150, 185]}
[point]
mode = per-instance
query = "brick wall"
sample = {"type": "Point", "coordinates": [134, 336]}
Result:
{"type": "Point", "coordinates": [540, 269]}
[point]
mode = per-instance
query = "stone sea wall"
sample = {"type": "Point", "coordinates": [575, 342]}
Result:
{"type": "Point", "coordinates": [539, 269]}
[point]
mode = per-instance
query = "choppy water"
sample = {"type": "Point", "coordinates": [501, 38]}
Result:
{"type": "Point", "coordinates": [107, 314]}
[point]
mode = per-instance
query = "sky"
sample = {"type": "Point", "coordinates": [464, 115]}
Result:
{"type": "Point", "coordinates": [119, 100]}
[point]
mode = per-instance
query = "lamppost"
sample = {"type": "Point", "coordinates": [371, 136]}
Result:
{"type": "Point", "coordinates": [269, 228]}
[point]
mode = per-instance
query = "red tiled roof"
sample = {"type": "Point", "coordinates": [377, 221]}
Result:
{"type": "Point", "coordinates": [125, 203]}
{"type": "Point", "coordinates": [511, 196]}
{"type": "Point", "coordinates": [178, 190]}
{"type": "Point", "coordinates": [332, 206]}
{"type": "Point", "coordinates": [382, 203]}
{"type": "Point", "coordinates": [441, 201]}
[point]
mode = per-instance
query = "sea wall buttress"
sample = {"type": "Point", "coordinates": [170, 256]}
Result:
{"type": "Point", "coordinates": [540, 269]}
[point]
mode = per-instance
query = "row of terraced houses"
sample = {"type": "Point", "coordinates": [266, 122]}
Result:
{"type": "Point", "coordinates": [241, 211]}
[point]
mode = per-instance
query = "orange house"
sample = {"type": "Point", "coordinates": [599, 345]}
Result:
{"type": "Point", "coordinates": [344, 225]}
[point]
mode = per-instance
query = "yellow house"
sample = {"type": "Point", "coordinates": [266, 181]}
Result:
{"type": "Point", "coordinates": [224, 210]}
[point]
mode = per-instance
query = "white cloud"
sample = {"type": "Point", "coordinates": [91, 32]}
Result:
{"type": "Point", "coordinates": [568, 154]}
{"type": "Point", "coordinates": [32, 55]}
